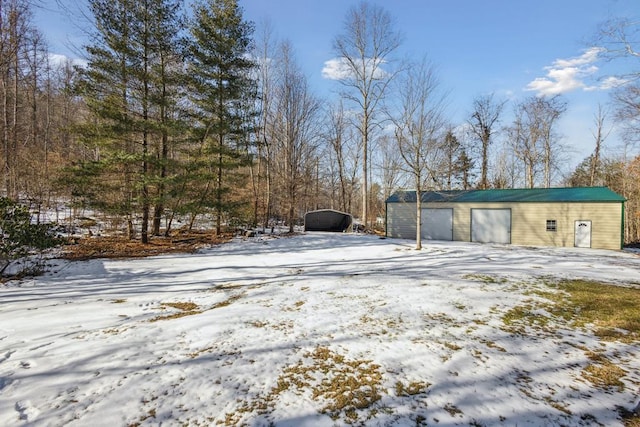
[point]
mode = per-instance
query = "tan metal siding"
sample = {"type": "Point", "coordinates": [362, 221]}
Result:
{"type": "Point", "coordinates": [528, 222]}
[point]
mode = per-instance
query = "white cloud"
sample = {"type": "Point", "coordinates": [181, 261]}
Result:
{"type": "Point", "coordinates": [566, 75]}
{"type": "Point", "coordinates": [588, 57]}
{"type": "Point", "coordinates": [613, 82]}
{"type": "Point", "coordinates": [336, 69]}
{"type": "Point", "coordinates": [58, 60]}
{"type": "Point", "coordinates": [339, 69]}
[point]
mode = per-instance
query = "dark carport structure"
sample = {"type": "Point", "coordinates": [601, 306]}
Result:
{"type": "Point", "coordinates": [327, 220]}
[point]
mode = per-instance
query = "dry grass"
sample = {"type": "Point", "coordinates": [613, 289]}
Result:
{"type": "Point", "coordinates": [347, 386]}
{"type": "Point", "coordinates": [413, 388]}
{"type": "Point", "coordinates": [492, 344]}
{"type": "Point", "coordinates": [530, 315]}
{"type": "Point", "coordinates": [613, 310]}
{"type": "Point", "coordinates": [191, 308]}
{"type": "Point", "coordinates": [186, 309]}
{"type": "Point", "coordinates": [485, 278]}
{"type": "Point", "coordinates": [629, 418]}
{"type": "Point", "coordinates": [119, 247]}
{"type": "Point", "coordinates": [228, 301]}
{"type": "Point", "coordinates": [184, 306]}
{"type": "Point", "coordinates": [605, 375]}
{"type": "Point", "coordinates": [296, 306]}
{"type": "Point", "coordinates": [453, 410]}
{"type": "Point", "coordinates": [347, 389]}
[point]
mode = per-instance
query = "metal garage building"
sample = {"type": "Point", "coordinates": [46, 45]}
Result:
{"type": "Point", "coordinates": [327, 220]}
{"type": "Point", "coordinates": [591, 217]}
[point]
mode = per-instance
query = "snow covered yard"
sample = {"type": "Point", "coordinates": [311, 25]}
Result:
{"type": "Point", "coordinates": [317, 330]}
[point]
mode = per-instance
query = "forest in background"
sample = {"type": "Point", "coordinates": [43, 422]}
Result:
{"type": "Point", "coordinates": [182, 116]}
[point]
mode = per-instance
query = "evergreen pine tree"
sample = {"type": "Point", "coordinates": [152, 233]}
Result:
{"type": "Point", "coordinates": [221, 78]}
{"type": "Point", "coordinates": [126, 87]}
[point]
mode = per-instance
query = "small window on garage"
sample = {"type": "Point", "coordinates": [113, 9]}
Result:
{"type": "Point", "coordinates": [551, 225]}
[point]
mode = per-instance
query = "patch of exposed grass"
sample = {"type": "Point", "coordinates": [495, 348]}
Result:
{"type": "Point", "coordinates": [485, 278]}
{"type": "Point", "coordinates": [283, 326]}
{"type": "Point", "coordinates": [452, 346]}
{"type": "Point", "coordinates": [460, 306]}
{"type": "Point", "coordinates": [347, 385]}
{"type": "Point", "coordinates": [492, 344]}
{"type": "Point", "coordinates": [613, 310]}
{"type": "Point", "coordinates": [347, 389]}
{"type": "Point", "coordinates": [228, 301]}
{"type": "Point", "coordinates": [376, 326]}
{"type": "Point", "coordinates": [228, 286]}
{"type": "Point", "coordinates": [442, 318]}
{"type": "Point", "coordinates": [629, 418]}
{"type": "Point", "coordinates": [412, 388]}
{"type": "Point", "coordinates": [258, 324]}
{"type": "Point", "coordinates": [186, 309]}
{"type": "Point", "coordinates": [190, 308]}
{"type": "Point", "coordinates": [605, 374]}
{"type": "Point", "coordinates": [184, 306]}
{"type": "Point", "coordinates": [296, 306]}
{"type": "Point", "coordinates": [559, 406]}
{"type": "Point", "coordinates": [531, 314]}
{"type": "Point", "coordinates": [453, 410]}
{"type": "Point", "coordinates": [111, 331]}
{"type": "Point", "coordinates": [118, 301]}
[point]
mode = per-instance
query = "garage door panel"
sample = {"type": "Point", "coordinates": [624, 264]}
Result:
{"type": "Point", "coordinates": [491, 225]}
{"type": "Point", "coordinates": [437, 224]}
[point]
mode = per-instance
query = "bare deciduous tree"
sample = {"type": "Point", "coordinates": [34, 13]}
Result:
{"type": "Point", "coordinates": [600, 135]}
{"type": "Point", "coordinates": [265, 49]}
{"type": "Point", "coordinates": [391, 166]}
{"type": "Point", "coordinates": [485, 116]}
{"type": "Point", "coordinates": [534, 140]}
{"type": "Point", "coordinates": [365, 47]}
{"type": "Point", "coordinates": [294, 129]}
{"type": "Point", "coordinates": [418, 125]}
{"type": "Point", "coordinates": [618, 38]}
{"type": "Point", "coordinates": [341, 151]}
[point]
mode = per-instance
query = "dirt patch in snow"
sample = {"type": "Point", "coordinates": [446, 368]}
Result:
{"type": "Point", "coordinates": [120, 247]}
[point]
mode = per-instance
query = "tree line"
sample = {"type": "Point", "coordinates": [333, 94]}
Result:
{"type": "Point", "coordinates": [181, 116]}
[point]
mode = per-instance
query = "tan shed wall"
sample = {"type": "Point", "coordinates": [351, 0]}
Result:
{"type": "Point", "coordinates": [528, 222]}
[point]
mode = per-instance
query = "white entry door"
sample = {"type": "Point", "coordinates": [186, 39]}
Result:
{"type": "Point", "coordinates": [437, 224]}
{"type": "Point", "coordinates": [491, 225]}
{"type": "Point", "coordinates": [583, 234]}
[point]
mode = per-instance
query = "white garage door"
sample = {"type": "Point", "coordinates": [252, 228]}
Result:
{"type": "Point", "coordinates": [491, 225]}
{"type": "Point", "coordinates": [437, 224]}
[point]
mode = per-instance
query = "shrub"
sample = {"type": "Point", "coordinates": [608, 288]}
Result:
{"type": "Point", "coordinates": [20, 238]}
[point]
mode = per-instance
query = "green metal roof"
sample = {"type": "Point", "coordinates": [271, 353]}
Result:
{"type": "Point", "coordinates": [545, 195]}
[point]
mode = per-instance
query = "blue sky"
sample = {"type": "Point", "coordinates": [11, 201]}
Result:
{"type": "Point", "coordinates": [511, 48]}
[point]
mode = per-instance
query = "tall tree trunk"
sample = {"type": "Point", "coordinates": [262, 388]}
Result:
{"type": "Point", "coordinates": [365, 174]}
{"type": "Point", "coordinates": [219, 186]}
{"type": "Point", "coordinates": [418, 214]}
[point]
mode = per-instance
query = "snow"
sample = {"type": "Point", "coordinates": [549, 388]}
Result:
{"type": "Point", "coordinates": [280, 324]}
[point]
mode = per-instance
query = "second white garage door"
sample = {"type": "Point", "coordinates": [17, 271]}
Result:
{"type": "Point", "coordinates": [491, 225]}
{"type": "Point", "coordinates": [437, 224]}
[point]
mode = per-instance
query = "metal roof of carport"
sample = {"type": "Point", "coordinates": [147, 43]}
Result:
{"type": "Point", "coordinates": [327, 220]}
{"type": "Point", "coordinates": [545, 195]}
